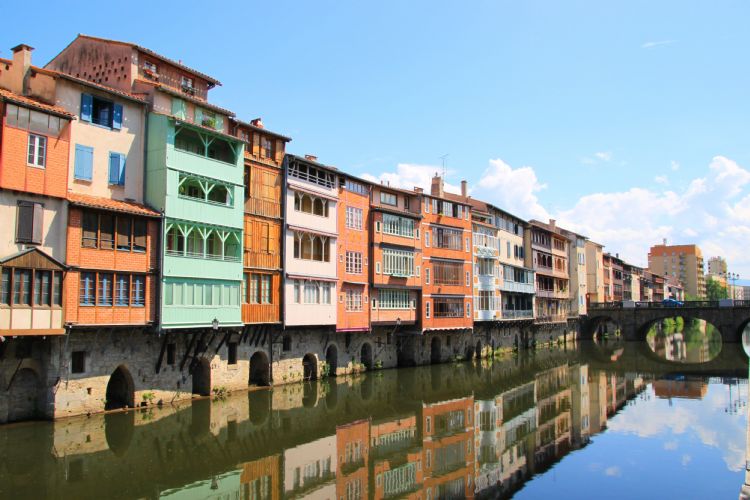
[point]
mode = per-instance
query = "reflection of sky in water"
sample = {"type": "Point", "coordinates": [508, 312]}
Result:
{"type": "Point", "coordinates": [651, 449]}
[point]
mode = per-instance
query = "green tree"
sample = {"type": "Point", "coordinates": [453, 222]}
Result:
{"type": "Point", "coordinates": [715, 290]}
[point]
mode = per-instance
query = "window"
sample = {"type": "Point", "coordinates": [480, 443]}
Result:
{"type": "Point", "coordinates": [104, 292]}
{"type": "Point", "coordinates": [427, 275]}
{"type": "Point", "coordinates": [149, 67]}
{"type": "Point", "coordinates": [353, 300]}
{"type": "Point", "coordinates": [427, 309]}
{"type": "Point", "coordinates": [22, 287]}
{"type": "Point", "coordinates": [427, 238]}
{"type": "Point", "coordinates": [311, 174]}
{"type": "Point", "coordinates": [187, 85]}
{"type": "Point", "coordinates": [447, 238]}
{"type": "Point", "coordinates": [266, 147]}
{"type": "Point", "coordinates": [232, 353]}
{"type": "Point", "coordinates": [34, 121]}
{"type": "Point", "coordinates": [388, 198]}
{"type": "Point", "coordinates": [101, 112]}
{"type": "Point", "coordinates": [354, 218]}
{"type": "Point", "coordinates": [42, 282]}
{"type": "Point", "coordinates": [448, 307]}
{"type": "Point", "coordinates": [123, 233]}
{"type": "Point", "coordinates": [398, 263]}
{"type": "Point", "coordinates": [394, 299]}
{"type": "Point", "coordinates": [398, 226]}
{"type": "Point", "coordinates": [122, 290]}
{"type": "Point", "coordinates": [354, 262]}
{"type": "Point", "coordinates": [355, 187]}
{"type": "Point", "coordinates": [258, 288]}
{"type": "Point", "coordinates": [138, 290]}
{"type": "Point", "coordinates": [87, 289]}
{"type": "Point", "coordinates": [29, 222]}
{"type": "Point", "coordinates": [140, 228]}
{"type": "Point", "coordinates": [446, 272]}
{"type": "Point", "coordinates": [78, 362]}
{"type": "Point", "coordinates": [37, 152]}
{"type": "Point", "coordinates": [84, 163]}
{"type": "Point", "coordinates": [468, 278]}
{"type": "Point", "coordinates": [5, 289]}
{"type": "Point", "coordinates": [117, 169]}
{"type": "Point", "coordinates": [468, 309]}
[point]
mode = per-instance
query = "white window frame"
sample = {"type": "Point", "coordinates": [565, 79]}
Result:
{"type": "Point", "coordinates": [36, 151]}
{"type": "Point", "coordinates": [354, 218]}
{"type": "Point", "coordinates": [354, 262]}
{"type": "Point", "coordinates": [398, 262]}
{"type": "Point", "coordinates": [353, 300]}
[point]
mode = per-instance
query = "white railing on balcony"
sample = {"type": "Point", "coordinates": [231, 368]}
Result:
{"type": "Point", "coordinates": [512, 286]}
{"type": "Point", "coordinates": [485, 246]}
{"type": "Point", "coordinates": [486, 282]}
{"type": "Point", "coordinates": [518, 313]}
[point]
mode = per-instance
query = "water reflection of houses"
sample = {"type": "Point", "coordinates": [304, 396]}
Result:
{"type": "Point", "coordinates": [352, 446]}
{"type": "Point", "coordinates": [310, 469]}
{"type": "Point", "coordinates": [695, 388]}
{"type": "Point", "coordinates": [261, 479]}
{"type": "Point", "coordinates": [553, 396]}
{"type": "Point", "coordinates": [396, 457]}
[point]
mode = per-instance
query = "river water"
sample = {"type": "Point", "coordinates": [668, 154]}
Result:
{"type": "Point", "coordinates": [591, 421]}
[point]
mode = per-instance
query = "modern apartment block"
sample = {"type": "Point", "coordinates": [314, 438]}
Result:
{"type": "Point", "coordinates": [396, 253]}
{"type": "Point", "coordinates": [547, 252]}
{"type": "Point", "coordinates": [310, 242]}
{"type": "Point", "coordinates": [193, 174]}
{"type": "Point", "coordinates": [447, 260]}
{"type": "Point", "coordinates": [263, 223]}
{"type": "Point", "coordinates": [684, 262]}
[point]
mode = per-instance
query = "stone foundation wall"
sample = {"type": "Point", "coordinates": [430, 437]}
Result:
{"type": "Point", "coordinates": [37, 378]}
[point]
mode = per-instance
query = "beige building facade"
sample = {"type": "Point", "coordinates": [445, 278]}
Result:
{"type": "Point", "coordinates": [684, 262]}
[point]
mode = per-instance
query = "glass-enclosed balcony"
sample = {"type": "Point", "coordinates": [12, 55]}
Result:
{"type": "Point", "coordinates": [485, 246]}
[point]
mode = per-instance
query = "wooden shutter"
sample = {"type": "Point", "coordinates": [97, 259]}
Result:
{"type": "Point", "coordinates": [114, 168]}
{"type": "Point", "coordinates": [106, 230]}
{"type": "Point", "coordinates": [87, 104]}
{"type": "Point", "coordinates": [117, 117]}
{"type": "Point", "coordinates": [90, 228]}
{"type": "Point", "coordinates": [37, 224]}
{"type": "Point", "coordinates": [84, 162]}
{"type": "Point", "coordinates": [25, 222]}
{"type": "Point", "coordinates": [123, 232]}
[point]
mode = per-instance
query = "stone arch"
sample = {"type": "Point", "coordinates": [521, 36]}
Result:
{"type": "Point", "coordinates": [676, 345]}
{"type": "Point", "coordinates": [24, 396]}
{"type": "Point", "coordinates": [259, 405]}
{"type": "Point", "coordinates": [469, 352]}
{"type": "Point", "coordinates": [435, 354]}
{"type": "Point", "coordinates": [118, 430]}
{"type": "Point", "coordinates": [260, 369]}
{"type": "Point", "coordinates": [365, 355]}
{"type": "Point", "coordinates": [309, 394]}
{"type": "Point", "coordinates": [332, 359]}
{"type": "Point", "coordinates": [310, 367]}
{"type": "Point", "coordinates": [479, 349]}
{"type": "Point", "coordinates": [596, 326]}
{"type": "Point", "coordinates": [202, 378]}
{"type": "Point", "coordinates": [120, 390]}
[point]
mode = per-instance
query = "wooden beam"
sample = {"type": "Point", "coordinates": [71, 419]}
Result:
{"type": "Point", "coordinates": [187, 351]}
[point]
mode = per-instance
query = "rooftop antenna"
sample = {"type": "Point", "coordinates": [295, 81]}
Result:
{"type": "Point", "coordinates": [443, 160]}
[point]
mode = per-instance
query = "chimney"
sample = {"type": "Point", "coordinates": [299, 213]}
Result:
{"type": "Point", "coordinates": [257, 122]}
{"type": "Point", "coordinates": [664, 241]}
{"type": "Point", "coordinates": [19, 72]}
{"type": "Point", "coordinates": [552, 224]}
{"type": "Point", "coordinates": [437, 186]}
{"type": "Point", "coordinates": [418, 190]}
{"type": "Point", "coordinates": [464, 189]}
{"type": "Point", "coordinates": [311, 157]}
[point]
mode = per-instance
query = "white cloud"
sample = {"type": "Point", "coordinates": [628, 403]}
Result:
{"type": "Point", "coordinates": [514, 190]}
{"type": "Point", "coordinates": [661, 179]}
{"type": "Point", "coordinates": [410, 175]}
{"type": "Point", "coordinates": [675, 165]}
{"type": "Point", "coordinates": [613, 471]}
{"type": "Point", "coordinates": [604, 155]}
{"type": "Point", "coordinates": [599, 157]}
{"type": "Point", "coordinates": [659, 43]}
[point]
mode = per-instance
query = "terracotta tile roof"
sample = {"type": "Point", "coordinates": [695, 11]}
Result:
{"type": "Point", "coordinates": [130, 207]}
{"type": "Point", "coordinates": [7, 95]}
{"type": "Point", "coordinates": [200, 102]}
{"type": "Point", "coordinates": [260, 129]}
{"type": "Point", "coordinates": [150, 52]}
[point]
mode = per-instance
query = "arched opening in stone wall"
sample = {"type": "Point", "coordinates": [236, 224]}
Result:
{"type": "Point", "coordinates": [365, 355]}
{"type": "Point", "coordinates": [118, 430]}
{"type": "Point", "coordinates": [332, 360]}
{"type": "Point", "coordinates": [435, 356]}
{"type": "Point", "coordinates": [309, 367]}
{"type": "Point", "coordinates": [23, 396]}
{"type": "Point", "coordinates": [260, 370]}
{"type": "Point", "coordinates": [202, 378]}
{"type": "Point", "coordinates": [479, 349]}
{"type": "Point", "coordinates": [469, 354]}
{"type": "Point", "coordinates": [120, 390]}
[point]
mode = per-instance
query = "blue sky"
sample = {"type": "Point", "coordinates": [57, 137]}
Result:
{"type": "Point", "coordinates": [626, 121]}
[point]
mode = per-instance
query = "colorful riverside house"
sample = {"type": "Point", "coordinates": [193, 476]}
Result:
{"type": "Point", "coordinates": [353, 313]}
{"type": "Point", "coordinates": [487, 270]}
{"type": "Point", "coordinates": [547, 252]}
{"type": "Point", "coordinates": [396, 253]}
{"type": "Point", "coordinates": [34, 147]}
{"type": "Point", "coordinates": [264, 158]}
{"type": "Point", "coordinates": [194, 177]}
{"type": "Point", "coordinates": [353, 450]}
{"type": "Point", "coordinates": [310, 214]}
{"type": "Point", "coordinates": [396, 455]}
{"type": "Point", "coordinates": [447, 261]}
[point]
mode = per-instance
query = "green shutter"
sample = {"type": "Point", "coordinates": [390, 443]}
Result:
{"type": "Point", "coordinates": [178, 108]}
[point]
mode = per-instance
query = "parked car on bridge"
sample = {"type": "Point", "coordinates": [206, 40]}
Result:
{"type": "Point", "coordinates": [670, 302]}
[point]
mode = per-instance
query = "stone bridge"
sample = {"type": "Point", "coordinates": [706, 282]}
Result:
{"type": "Point", "coordinates": [634, 319]}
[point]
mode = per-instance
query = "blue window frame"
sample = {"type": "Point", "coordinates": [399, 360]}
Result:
{"type": "Point", "coordinates": [84, 163]}
{"type": "Point", "coordinates": [101, 112]}
{"type": "Point", "coordinates": [87, 289]}
{"type": "Point", "coordinates": [138, 291]}
{"type": "Point", "coordinates": [122, 290]}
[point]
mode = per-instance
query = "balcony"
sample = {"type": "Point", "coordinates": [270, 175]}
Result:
{"type": "Point", "coordinates": [486, 282]}
{"type": "Point", "coordinates": [518, 313]}
{"type": "Point", "coordinates": [485, 246]}
{"type": "Point", "coordinates": [512, 286]}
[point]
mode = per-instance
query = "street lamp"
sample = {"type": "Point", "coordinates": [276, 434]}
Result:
{"type": "Point", "coordinates": [733, 277]}
{"type": "Point", "coordinates": [215, 324]}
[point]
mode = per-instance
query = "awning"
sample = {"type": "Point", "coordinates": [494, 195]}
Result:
{"type": "Point", "coordinates": [32, 332]}
{"type": "Point", "coordinates": [311, 278]}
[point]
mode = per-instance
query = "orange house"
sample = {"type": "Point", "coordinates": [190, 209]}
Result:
{"type": "Point", "coordinates": [397, 458]}
{"type": "Point", "coordinates": [352, 448]}
{"type": "Point", "coordinates": [353, 314]}
{"type": "Point", "coordinates": [264, 156]}
{"type": "Point", "coordinates": [396, 252]}
{"type": "Point", "coordinates": [261, 478]}
{"type": "Point", "coordinates": [447, 260]}
{"type": "Point", "coordinates": [112, 252]}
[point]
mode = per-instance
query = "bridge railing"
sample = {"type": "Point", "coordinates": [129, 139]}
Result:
{"type": "Point", "coordinates": [691, 304]}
